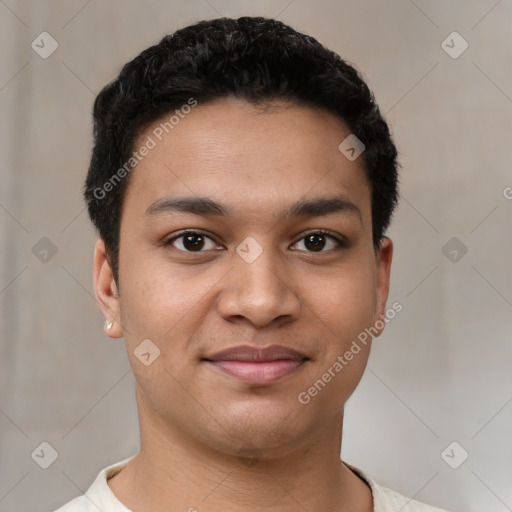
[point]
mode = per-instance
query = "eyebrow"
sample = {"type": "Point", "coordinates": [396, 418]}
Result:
{"type": "Point", "coordinates": [208, 207]}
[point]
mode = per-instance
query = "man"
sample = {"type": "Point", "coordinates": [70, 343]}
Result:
{"type": "Point", "coordinates": [241, 182]}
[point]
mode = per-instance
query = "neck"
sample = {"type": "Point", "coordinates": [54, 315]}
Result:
{"type": "Point", "coordinates": [175, 473]}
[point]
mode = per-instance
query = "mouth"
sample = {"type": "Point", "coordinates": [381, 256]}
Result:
{"type": "Point", "coordinates": [258, 366]}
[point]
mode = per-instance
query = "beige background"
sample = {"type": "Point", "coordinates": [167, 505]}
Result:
{"type": "Point", "coordinates": [440, 373]}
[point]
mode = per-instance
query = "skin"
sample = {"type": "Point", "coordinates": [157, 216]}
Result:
{"type": "Point", "coordinates": [197, 424]}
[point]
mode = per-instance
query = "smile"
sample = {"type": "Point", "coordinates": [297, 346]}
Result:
{"type": "Point", "coordinates": [258, 372]}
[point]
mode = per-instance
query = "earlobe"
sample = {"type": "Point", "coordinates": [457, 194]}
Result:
{"type": "Point", "coordinates": [105, 290]}
{"type": "Point", "coordinates": [383, 259]}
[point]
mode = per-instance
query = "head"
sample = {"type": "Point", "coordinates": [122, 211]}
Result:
{"type": "Point", "coordinates": [234, 129]}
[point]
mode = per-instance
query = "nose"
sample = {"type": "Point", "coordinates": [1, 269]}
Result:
{"type": "Point", "coordinates": [261, 292]}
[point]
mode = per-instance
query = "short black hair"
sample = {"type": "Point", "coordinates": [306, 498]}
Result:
{"type": "Point", "coordinates": [254, 58]}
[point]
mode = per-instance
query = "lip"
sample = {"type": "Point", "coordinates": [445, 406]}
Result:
{"type": "Point", "coordinates": [256, 365]}
{"type": "Point", "coordinates": [250, 353]}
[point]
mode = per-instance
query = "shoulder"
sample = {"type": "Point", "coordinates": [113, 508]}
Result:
{"type": "Point", "coordinates": [387, 500]}
{"type": "Point", "coordinates": [98, 496]}
{"type": "Point", "coordinates": [80, 504]}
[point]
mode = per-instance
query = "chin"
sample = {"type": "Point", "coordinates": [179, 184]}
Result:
{"type": "Point", "coordinates": [265, 426]}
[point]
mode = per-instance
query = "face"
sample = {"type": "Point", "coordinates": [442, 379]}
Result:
{"type": "Point", "coordinates": [246, 258]}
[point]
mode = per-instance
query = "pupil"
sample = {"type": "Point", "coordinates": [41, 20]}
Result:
{"type": "Point", "coordinates": [193, 241]}
{"type": "Point", "coordinates": [316, 241]}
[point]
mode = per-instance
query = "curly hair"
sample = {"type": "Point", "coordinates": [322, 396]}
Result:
{"type": "Point", "coordinates": [254, 58]}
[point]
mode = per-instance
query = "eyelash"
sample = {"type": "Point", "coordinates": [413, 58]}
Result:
{"type": "Point", "coordinates": [340, 242]}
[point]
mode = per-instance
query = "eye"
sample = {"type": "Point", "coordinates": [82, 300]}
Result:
{"type": "Point", "coordinates": [321, 241]}
{"type": "Point", "coordinates": [192, 241]}
{"type": "Point", "coordinates": [197, 241]}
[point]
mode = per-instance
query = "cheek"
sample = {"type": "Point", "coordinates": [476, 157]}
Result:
{"type": "Point", "coordinates": [343, 311]}
{"type": "Point", "coordinates": [155, 304]}
{"type": "Point", "coordinates": [158, 307]}
{"type": "Point", "coordinates": [150, 286]}
{"type": "Point", "coordinates": [166, 306]}
{"type": "Point", "coordinates": [345, 300]}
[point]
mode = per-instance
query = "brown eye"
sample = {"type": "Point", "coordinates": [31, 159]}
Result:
{"type": "Point", "coordinates": [192, 241]}
{"type": "Point", "coordinates": [320, 241]}
{"type": "Point", "coordinates": [315, 242]}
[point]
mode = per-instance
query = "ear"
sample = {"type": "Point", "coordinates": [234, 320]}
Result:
{"type": "Point", "coordinates": [106, 290]}
{"type": "Point", "coordinates": [383, 257]}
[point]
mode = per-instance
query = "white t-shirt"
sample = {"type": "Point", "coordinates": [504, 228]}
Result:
{"type": "Point", "coordinates": [99, 496]}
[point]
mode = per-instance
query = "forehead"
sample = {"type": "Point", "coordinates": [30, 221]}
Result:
{"type": "Point", "coordinates": [253, 157]}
